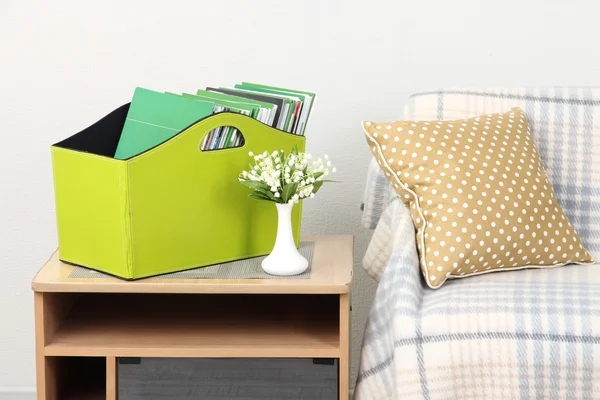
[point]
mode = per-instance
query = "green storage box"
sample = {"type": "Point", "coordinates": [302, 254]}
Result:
{"type": "Point", "coordinates": [171, 208]}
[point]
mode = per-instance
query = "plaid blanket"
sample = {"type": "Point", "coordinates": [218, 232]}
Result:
{"type": "Point", "coordinates": [521, 334]}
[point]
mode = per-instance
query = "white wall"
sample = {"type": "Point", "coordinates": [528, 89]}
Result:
{"type": "Point", "coordinates": [63, 64]}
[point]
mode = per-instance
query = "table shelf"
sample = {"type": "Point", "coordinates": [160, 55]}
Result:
{"type": "Point", "coordinates": [143, 325]}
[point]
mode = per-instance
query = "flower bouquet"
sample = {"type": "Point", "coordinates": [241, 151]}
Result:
{"type": "Point", "coordinates": [285, 180]}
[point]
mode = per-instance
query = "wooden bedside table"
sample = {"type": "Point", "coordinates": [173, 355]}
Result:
{"type": "Point", "coordinates": [84, 325]}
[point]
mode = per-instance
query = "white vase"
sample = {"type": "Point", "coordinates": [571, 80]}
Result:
{"type": "Point", "coordinates": [285, 259]}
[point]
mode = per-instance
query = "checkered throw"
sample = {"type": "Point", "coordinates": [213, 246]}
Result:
{"type": "Point", "coordinates": [511, 335]}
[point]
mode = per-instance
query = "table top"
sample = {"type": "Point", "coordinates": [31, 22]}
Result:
{"type": "Point", "coordinates": [331, 273]}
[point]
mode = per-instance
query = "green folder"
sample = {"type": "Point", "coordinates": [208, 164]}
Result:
{"type": "Point", "coordinates": [290, 99]}
{"type": "Point", "coordinates": [266, 109]}
{"type": "Point", "coordinates": [289, 109]}
{"type": "Point", "coordinates": [155, 117]}
{"type": "Point", "coordinates": [229, 101]}
{"type": "Point", "coordinates": [308, 99]}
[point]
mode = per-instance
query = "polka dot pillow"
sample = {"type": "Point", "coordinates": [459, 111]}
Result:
{"type": "Point", "coordinates": [478, 194]}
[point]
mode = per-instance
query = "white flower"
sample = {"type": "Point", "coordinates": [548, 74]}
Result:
{"type": "Point", "coordinates": [275, 169]}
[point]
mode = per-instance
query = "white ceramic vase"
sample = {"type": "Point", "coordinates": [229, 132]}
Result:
{"type": "Point", "coordinates": [285, 259]}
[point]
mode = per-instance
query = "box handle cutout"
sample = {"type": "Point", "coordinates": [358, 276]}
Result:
{"type": "Point", "coordinates": [222, 138]}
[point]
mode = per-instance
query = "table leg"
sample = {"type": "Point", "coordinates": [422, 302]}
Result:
{"type": "Point", "coordinates": [50, 310]}
{"type": "Point", "coordinates": [344, 365]}
{"type": "Point", "coordinates": [112, 370]}
{"type": "Point", "coordinates": [43, 369]}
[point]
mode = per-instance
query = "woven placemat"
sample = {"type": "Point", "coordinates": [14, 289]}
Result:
{"type": "Point", "coordinates": [249, 268]}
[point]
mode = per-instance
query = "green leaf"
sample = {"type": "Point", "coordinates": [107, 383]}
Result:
{"type": "Point", "coordinates": [317, 185]}
{"type": "Point", "coordinates": [257, 196]}
{"type": "Point", "coordinates": [288, 191]}
{"type": "Point", "coordinates": [264, 192]}
{"type": "Point", "coordinates": [317, 174]}
{"type": "Point", "coordinates": [260, 194]}
{"type": "Point", "coordinates": [295, 150]}
{"type": "Point", "coordinates": [275, 199]}
{"type": "Point", "coordinates": [255, 185]}
{"type": "Point", "coordinates": [267, 194]}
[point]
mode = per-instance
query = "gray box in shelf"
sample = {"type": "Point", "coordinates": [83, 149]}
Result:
{"type": "Point", "coordinates": [228, 378]}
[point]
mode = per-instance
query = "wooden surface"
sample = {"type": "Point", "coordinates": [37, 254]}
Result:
{"type": "Point", "coordinates": [344, 335]}
{"type": "Point", "coordinates": [163, 325]}
{"type": "Point", "coordinates": [331, 273]}
{"type": "Point", "coordinates": [112, 388]}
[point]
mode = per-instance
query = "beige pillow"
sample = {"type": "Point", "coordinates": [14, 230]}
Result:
{"type": "Point", "coordinates": [478, 195]}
